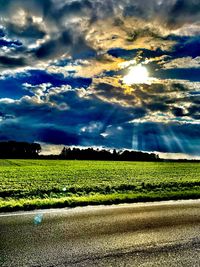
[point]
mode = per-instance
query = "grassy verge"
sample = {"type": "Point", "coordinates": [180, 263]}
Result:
{"type": "Point", "coordinates": [97, 199]}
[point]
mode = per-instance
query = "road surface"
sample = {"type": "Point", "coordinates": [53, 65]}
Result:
{"type": "Point", "coordinates": [151, 234]}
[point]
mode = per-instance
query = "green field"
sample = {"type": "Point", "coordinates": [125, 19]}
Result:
{"type": "Point", "coordinates": [30, 184]}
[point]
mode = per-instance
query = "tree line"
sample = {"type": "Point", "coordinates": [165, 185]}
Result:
{"type": "Point", "coordinates": [103, 154]}
{"type": "Point", "coordinates": [25, 150]}
{"type": "Point", "coordinates": [19, 150]}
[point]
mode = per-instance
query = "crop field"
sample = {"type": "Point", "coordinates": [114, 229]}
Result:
{"type": "Point", "coordinates": [31, 184]}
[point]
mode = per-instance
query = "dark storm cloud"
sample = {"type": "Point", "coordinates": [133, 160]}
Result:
{"type": "Point", "coordinates": [173, 12]}
{"type": "Point", "coordinates": [65, 43]}
{"type": "Point", "coordinates": [16, 131]}
{"type": "Point", "coordinates": [165, 99]}
{"type": "Point", "coordinates": [59, 25]}
{"type": "Point", "coordinates": [20, 20]}
{"type": "Point", "coordinates": [194, 111]}
{"type": "Point", "coordinates": [77, 8]}
{"type": "Point", "coordinates": [12, 62]}
{"type": "Point", "coordinates": [184, 11]}
{"type": "Point", "coordinates": [90, 121]}
{"type": "Point", "coordinates": [80, 110]}
{"type": "Point", "coordinates": [85, 120]}
{"type": "Point", "coordinates": [30, 30]}
{"type": "Point", "coordinates": [93, 109]}
{"type": "Point", "coordinates": [86, 128]}
{"type": "Point", "coordinates": [53, 47]}
{"type": "Point", "coordinates": [2, 34]}
{"type": "Point", "coordinates": [169, 99]}
{"type": "Point", "coordinates": [62, 21]}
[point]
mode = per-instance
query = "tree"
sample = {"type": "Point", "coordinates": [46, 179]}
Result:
{"type": "Point", "coordinates": [13, 149]}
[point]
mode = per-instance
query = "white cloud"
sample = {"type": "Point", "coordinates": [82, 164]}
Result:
{"type": "Point", "coordinates": [185, 62]}
{"type": "Point", "coordinates": [49, 149]}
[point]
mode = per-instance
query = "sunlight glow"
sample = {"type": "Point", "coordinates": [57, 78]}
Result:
{"type": "Point", "coordinates": [137, 74]}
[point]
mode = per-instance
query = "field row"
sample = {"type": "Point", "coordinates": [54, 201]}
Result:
{"type": "Point", "coordinates": [28, 180]}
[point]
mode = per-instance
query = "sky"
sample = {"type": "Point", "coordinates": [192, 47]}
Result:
{"type": "Point", "coordinates": [104, 73]}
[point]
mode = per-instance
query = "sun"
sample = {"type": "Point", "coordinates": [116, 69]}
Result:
{"type": "Point", "coordinates": [137, 74]}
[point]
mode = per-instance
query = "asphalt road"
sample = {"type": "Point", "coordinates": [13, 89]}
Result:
{"type": "Point", "coordinates": [153, 234]}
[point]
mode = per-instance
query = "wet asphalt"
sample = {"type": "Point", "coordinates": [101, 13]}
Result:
{"type": "Point", "coordinates": [149, 234]}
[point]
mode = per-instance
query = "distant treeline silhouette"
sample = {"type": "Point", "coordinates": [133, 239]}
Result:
{"type": "Point", "coordinates": [19, 150]}
{"type": "Point", "coordinates": [103, 154]}
{"type": "Point", "coordinates": [25, 150]}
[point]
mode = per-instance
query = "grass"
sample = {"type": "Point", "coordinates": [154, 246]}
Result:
{"type": "Point", "coordinates": [32, 184]}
